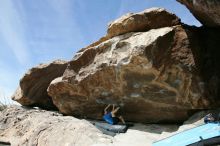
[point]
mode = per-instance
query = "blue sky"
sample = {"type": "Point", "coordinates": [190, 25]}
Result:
{"type": "Point", "coordinates": [40, 31]}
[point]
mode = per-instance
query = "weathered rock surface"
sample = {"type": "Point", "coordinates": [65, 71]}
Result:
{"type": "Point", "coordinates": [161, 75]}
{"type": "Point", "coordinates": [206, 11]}
{"type": "Point", "coordinates": [34, 127]}
{"type": "Point", "coordinates": [136, 22]}
{"type": "Point", "coordinates": [33, 86]}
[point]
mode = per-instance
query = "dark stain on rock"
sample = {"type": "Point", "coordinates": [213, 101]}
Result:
{"type": "Point", "coordinates": [133, 78]}
{"type": "Point", "coordinates": [156, 93]}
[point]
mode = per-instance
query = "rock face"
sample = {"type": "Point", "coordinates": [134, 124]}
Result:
{"type": "Point", "coordinates": [20, 126]}
{"type": "Point", "coordinates": [143, 21]}
{"type": "Point", "coordinates": [160, 75]}
{"type": "Point", "coordinates": [33, 86]}
{"type": "Point", "coordinates": [206, 11]}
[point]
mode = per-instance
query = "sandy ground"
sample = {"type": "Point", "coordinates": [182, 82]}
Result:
{"type": "Point", "coordinates": [145, 135]}
{"type": "Point", "coordinates": [140, 135]}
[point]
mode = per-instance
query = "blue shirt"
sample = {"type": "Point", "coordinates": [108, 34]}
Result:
{"type": "Point", "coordinates": [108, 118]}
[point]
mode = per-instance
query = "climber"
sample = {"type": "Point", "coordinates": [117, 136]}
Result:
{"type": "Point", "coordinates": [111, 117]}
{"type": "Point", "coordinates": [209, 118]}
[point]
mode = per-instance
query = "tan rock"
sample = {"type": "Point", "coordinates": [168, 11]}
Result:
{"type": "Point", "coordinates": [34, 127]}
{"type": "Point", "coordinates": [206, 11]}
{"type": "Point", "coordinates": [152, 75]}
{"type": "Point", "coordinates": [135, 22]}
{"type": "Point", "coordinates": [33, 86]}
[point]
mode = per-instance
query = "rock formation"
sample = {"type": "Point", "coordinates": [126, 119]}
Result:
{"type": "Point", "coordinates": [206, 11]}
{"type": "Point", "coordinates": [156, 68]}
{"type": "Point", "coordinates": [157, 75]}
{"type": "Point", "coordinates": [24, 127]}
{"type": "Point", "coordinates": [131, 69]}
{"type": "Point", "coordinates": [33, 86]}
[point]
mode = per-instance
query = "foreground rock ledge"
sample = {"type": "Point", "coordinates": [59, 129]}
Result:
{"type": "Point", "coordinates": [34, 84]}
{"type": "Point", "coordinates": [33, 127]}
{"type": "Point", "coordinates": [21, 126]}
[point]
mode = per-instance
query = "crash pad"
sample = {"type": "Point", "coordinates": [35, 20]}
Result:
{"type": "Point", "coordinates": [194, 135]}
{"type": "Point", "coordinates": [112, 128]}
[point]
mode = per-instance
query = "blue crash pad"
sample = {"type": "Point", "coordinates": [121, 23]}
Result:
{"type": "Point", "coordinates": [112, 128]}
{"type": "Point", "coordinates": [190, 136]}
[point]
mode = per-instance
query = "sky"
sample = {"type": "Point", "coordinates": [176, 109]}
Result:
{"type": "Point", "coordinates": [40, 31]}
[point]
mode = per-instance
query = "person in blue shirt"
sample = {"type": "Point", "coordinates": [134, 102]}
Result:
{"type": "Point", "coordinates": [111, 117]}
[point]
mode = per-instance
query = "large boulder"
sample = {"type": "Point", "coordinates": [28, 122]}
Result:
{"type": "Point", "coordinates": [206, 11]}
{"type": "Point", "coordinates": [143, 21]}
{"type": "Point", "coordinates": [33, 127]}
{"type": "Point", "coordinates": [162, 75]}
{"type": "Point", "coordinates": [33, 86]}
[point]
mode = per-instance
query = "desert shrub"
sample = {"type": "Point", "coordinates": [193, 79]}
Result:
{"type": "Point", "coordinates": [4, 101]}
{"type": "Point", "coordinates": [2, 106]}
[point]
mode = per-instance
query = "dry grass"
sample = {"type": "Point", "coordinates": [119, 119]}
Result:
{"type": "Point", "coordinates": [2, 106]}
{"type": "Point", "coordinates": [4, 101]}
